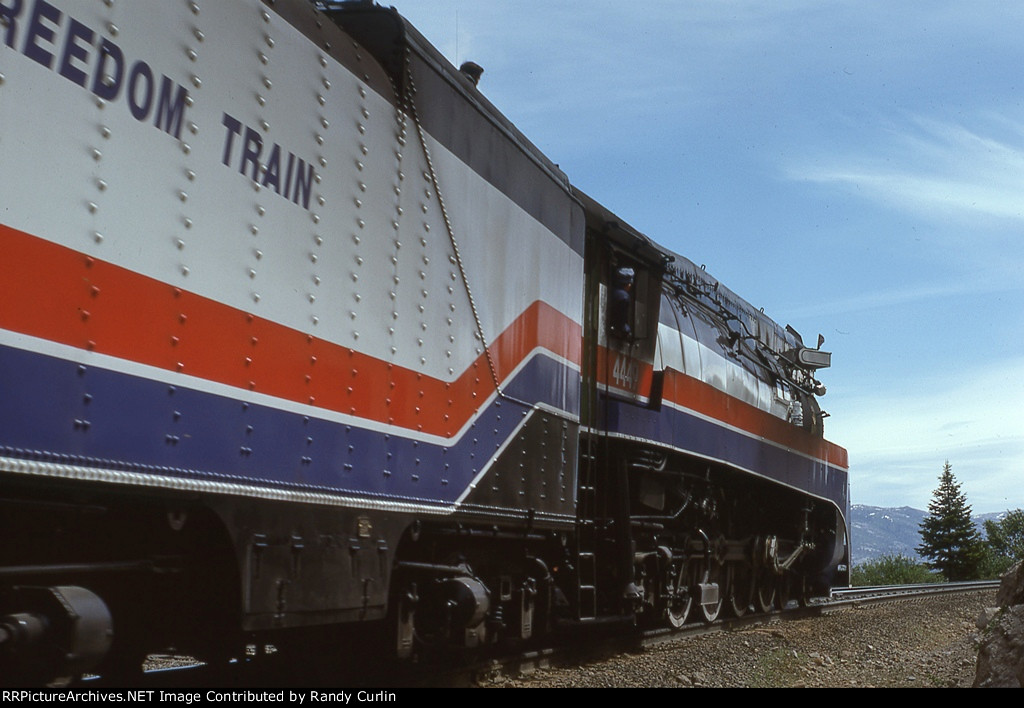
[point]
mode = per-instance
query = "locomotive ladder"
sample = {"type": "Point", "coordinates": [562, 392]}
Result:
{"type": "Point", "coordinates": [586, 541]}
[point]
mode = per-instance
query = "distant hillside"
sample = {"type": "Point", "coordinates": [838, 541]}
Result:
{"type": "Point", "coordinates": [878, 531]}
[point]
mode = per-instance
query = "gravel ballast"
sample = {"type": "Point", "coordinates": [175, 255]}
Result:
{"type": "Point", "coordinates": [926, 643]}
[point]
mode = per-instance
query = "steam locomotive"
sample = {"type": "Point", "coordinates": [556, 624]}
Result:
{"type": "Point", "coordinates": [298, 331]}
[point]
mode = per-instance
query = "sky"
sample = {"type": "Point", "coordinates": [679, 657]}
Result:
{"type": "Point", "coordinates": [854, 167]}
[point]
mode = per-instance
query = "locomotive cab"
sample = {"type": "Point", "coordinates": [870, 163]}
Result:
{"type": "Point", "coordinates": [694, 517]}
{"type": "Point", "coordinates": [622, 304]}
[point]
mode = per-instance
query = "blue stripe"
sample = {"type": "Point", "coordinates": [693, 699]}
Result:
{"type": "Point", "coordinates": [58, 411]}
{"type": "Point", "coordinates": [692, 434]}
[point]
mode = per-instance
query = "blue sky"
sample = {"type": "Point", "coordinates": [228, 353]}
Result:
{"type": "Point", "coordinates": [854, 167]}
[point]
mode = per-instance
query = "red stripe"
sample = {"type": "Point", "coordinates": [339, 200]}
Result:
{"type": "Point", "coordinates": [58, 294]}
{"type": "Point", "coordinates": [688, 392]}
{"type": "Point", "coordinates": [607, 359]}
{"type": "Point", "coordinates": [55, 293]}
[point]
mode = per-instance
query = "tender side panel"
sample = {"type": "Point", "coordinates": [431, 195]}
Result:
{"type": "Point", "coordinates": [238, 268]}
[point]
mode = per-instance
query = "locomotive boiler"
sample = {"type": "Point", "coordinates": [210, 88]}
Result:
{"type": "Point", "coordinates": [299, 332]}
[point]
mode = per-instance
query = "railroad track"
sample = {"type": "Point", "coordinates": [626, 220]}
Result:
{"type": "Point", "coordinates": [843, 598]}
{"type": "Point", "coordinates": [269, 669]}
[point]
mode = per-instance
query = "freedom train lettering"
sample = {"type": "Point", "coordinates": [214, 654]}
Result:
{"type": "Point", "coordinates": [72, 49]}
{"type": "Point", "coordinates": [64, 45]}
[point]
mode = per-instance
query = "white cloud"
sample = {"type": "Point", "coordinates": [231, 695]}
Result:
{"type": "Point", "coordinates": [935, 169]}
{"type": "Point", "coordinates": [898, 439]}
{"type": "Point", "coordinates": [991, 280]}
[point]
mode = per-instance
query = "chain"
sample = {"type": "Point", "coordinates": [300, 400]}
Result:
{"type": "Point", "coordinates": [409, 99]}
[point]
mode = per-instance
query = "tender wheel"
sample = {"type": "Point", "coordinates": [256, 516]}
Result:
{"type": "Point", "coordinates": [739, 588]}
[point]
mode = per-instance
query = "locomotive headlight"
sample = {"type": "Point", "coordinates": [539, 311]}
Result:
{"type": "Point", "coordinates": [809, 358]}
{"type": "Point", "coordinates": [814, 358]}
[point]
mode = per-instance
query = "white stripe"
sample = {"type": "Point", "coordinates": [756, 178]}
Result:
{"type": "Point", "coordinates": [172, 378]}
{"type": "Point", "coordinates": [748, 434]}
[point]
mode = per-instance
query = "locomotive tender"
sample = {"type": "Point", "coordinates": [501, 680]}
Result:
{"type": "Point", "coordinates": [297, 331]}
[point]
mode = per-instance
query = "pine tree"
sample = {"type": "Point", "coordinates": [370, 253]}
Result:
{"type": "Point", "coordinates": [948, 536]}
